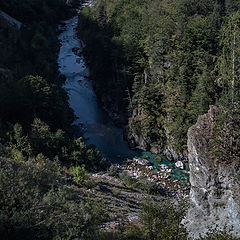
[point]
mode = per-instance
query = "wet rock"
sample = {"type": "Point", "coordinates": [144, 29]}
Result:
{"type": "Point", "coordinates": [163, 167]}
{"type": "Point", "coordinates": [77, 51]}
{"type": "Point", "coordinates": [78, 60]}
{"type": "Point", "coordinates": [179, 164]}
{"type": "Point", "coordinates": [141, 161]}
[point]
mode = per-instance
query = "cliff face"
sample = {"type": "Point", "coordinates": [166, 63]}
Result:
{"type": "Point", "coordinates": [137, 139]}
{"type": "Point", "coordinates": [215, 187]}
{"type": "Point", "coordinates": [9, 37]}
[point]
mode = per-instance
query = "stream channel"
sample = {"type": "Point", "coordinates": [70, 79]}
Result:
{"type": "Point", "coordinates": [98, 127]}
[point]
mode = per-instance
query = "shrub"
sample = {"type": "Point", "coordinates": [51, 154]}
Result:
{"type": "Point", "coordinates": [162, 220]}
{"type": "Point", "coordinates": [35, 204]}
{"type": "Point", "coordinates": [148, 186]}
{"type": "Point", "coordinates": [79, 174]}
{"type": "Point", "coordinates": [113, 171]}
{"type": "Point", "coordinates": [128, 180]}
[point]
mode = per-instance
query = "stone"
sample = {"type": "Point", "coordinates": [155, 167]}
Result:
{"type": "Point", "coordinates": [12, 21]}
{"type": "Point", "coordinates": [77, 51]}
{"type": "Point", "coordinates": [163, 167]}
{"type": "Point", "coordinates": [154, 150]}
{"type": "Point", "coordinates": [78, 60]}
{"type": "Point", "coordinates": [179, 164]}
{"type": "Point", "coordinates": [142, 161]}
{"type": "Point", "coordinates": [215, 186]}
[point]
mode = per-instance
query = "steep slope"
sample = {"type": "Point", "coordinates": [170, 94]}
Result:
{"type": "Point", "coordinates": [215, 186]}
{"type": "Point", "coordinates": [9, 40]}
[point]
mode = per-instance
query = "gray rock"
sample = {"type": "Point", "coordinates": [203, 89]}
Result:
{"type": "Point", "coordinates": [179, 164]}
{"type": "Point", "coordinates": [12, 21]}
{"type": "Point", "coordinates": [142, 161]}
{"type": "Point", "coordinates": [163, 167]}
{"type": "Point", "coordinates": [138, 141]}
{"type": "Point", "coordinates": [215, 187]}
{"type": "Point", "coordinates": [155, 150]}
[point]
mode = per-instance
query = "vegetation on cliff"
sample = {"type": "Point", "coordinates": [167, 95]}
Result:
{"type": "Point", "coordinates": [161, 59]}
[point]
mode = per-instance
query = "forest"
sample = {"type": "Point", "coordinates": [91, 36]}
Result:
{"type": "Point", "coordinates": [38, 145]}
{"type": "Point", "coordinates": [158, 64]}
{"type": "Point", "coordinates": [163, 63]}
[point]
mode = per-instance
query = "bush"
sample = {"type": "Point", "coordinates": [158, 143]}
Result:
{"type": "Point", "coordinates": [148, 186]}
{"type": "Point", "coordinates": [218, 235]}
{"type": "Point", "coordinates": [162, 220]}
{"type": "Point", "coordinates": [35, 204]}
{"type": "Point", "coordinates": [79, 174]}
{"type": "Point", "coordinates": [128, 180]}
{"type": "Point", "coordinates": [116, 192]}
{"type": "Point", "coordinates": [113, 171]}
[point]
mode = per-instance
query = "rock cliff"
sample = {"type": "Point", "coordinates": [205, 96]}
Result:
{"type": "Point", "coordinates": [215, 186]}
{"type": "Point", "coordinates": [10, 31]}
{"type": "Point", "coordinates": [10, 21]}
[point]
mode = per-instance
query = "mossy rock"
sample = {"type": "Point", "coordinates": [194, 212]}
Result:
{"type": "Point", "coordinates": [158, 159]}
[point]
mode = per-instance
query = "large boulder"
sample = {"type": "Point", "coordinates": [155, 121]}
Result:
{"type": "Point", "coordinates": [215, 186]}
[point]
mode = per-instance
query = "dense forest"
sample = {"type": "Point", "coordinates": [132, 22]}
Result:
{"type": "Point", "coordinates": [162, 63]}
{"type": "Point", "coordinates": [38, 148]}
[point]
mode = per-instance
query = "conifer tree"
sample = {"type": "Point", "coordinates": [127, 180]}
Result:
{"type": "Point", "coordinates": [227, 143]}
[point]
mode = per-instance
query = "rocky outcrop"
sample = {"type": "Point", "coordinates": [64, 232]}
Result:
{"type": "Point", "coordinates": [136, 140]}
{"type": "Point", "coordinates": [173, 155]}
{"type": "Point", "coordinates": [215, 186]}
{"type": "Point", "coordinates": [9, 37]}
{"type": "Point", "coordinates": [10, 21]}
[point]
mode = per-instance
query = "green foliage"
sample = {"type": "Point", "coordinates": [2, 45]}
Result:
{"type": "Point", "coordinates": [46, 101]}
{"type": "Point", "coordinates": [148, 187]}
{"type": "Point", "coordinates": [141, 183]}
{"type": "Point", "coordinates": [161, 66]}
{"type": "Point", "coordinates": [157, 221]}
{"type": "Point", "coordinates": [30, 84]}
{"type": "Point", "coordinates": [42, 141]}
{"type": "Point", "coordinates": [19, 143]}
{"type": "Point", "coordinates": [36, 204]}
{"type": "Point", "coordinates": [163, 221]}
{"type": "Point", "coordinates": [113, 171]}
{"type": "Point", "coordinates": [28, 10]}
{"type": "Point", "coordinates": [128, 180]}
{"type": "Point", "coordinates": [218, 235]}
{"type": "Point", "coordinates": [225, 144]}
{"type": "Point", "coordinates": [79, 174]}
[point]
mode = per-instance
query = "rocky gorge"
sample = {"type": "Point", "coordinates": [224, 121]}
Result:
{"type": "Point", "coordinates": [214, 195]}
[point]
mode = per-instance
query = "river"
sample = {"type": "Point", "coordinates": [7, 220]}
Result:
{"type": "Point", "coordinates": [98, 127]}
